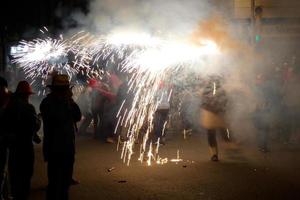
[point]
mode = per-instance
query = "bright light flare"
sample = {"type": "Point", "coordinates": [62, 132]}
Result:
{"type": "Point", "coordinates": [170, 54]}
{"type": "Point", "coordinates": [132, 39]}
{"type": "Point", "coordinates": [41, 51]}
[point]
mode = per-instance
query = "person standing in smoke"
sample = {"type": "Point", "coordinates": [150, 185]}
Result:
{"type": "Point", "coordinates": [21, 126]}
{"type": "Point", "coordinates": [97, 103]}
{"type": "Point", "coordinates": [85, 105]}
{"type": "Point", "coordinates": [4, 99]}
{"type": "Point", "coordinates": [213, 108]}
{"type": "Point", "coordinates": [60, 114]}
{"type": "Point", "coordinates": [99, 97]}
{"type": "Point", "coordinates": [262, 116]}
{"type": "Point", "coordinates": [124, 100]}
{"type": "Point", "coordinates": [110, 107]}
{"type": "Point", "coordinates": [187, 112]}
{"type": "Point", "coordinates": [162, 111]}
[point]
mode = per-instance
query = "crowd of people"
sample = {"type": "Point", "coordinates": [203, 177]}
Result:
{"type": "Point", "coordinates": [95, 110]}
{"type": "Point", "coordinates": [97, 106]}
{"type": "Point", "coordinates": [19, 126]}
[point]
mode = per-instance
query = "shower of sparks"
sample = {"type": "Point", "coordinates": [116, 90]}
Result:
{"type": "Point", "coordinates": [41, 58]}
{"type": "Point", "coordinates": [151, 65]}
{"type": "Point", "coordinates": [149, 60]}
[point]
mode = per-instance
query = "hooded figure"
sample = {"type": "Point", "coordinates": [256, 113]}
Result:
{"type": "Point", "coordinates": [213, 107]}
{"type": "Point", "coordinates": [60, 114]}
{"type": "Point", "coordinates": [21, 126]}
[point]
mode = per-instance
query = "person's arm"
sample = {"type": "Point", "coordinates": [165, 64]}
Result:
{"type": "Point", "coordinates": [111, 96]}
{"type": "Point", "coordinates": [36, 122]}
{"type": "Point", "coordinates": [76, 113]}
{"type": "Point", "coordinates": [46, 139]}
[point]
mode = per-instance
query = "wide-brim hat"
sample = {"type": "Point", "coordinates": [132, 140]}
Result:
{"type": "Point", "coordinates": [60, 80]}
{"type": "Point", "coordinates": [24, 87]}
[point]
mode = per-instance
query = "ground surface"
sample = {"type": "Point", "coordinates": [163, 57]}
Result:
{"type": "Point", "coordinates": [242, 173]}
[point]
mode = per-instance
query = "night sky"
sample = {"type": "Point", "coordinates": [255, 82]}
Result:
{"type": "Point", "coordinates": [24, 15]}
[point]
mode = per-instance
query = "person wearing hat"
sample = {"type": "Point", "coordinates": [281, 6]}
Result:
{"type": "Point", "coordinates": [60, 114]}
{"type": "Point", "coordinates": [21, 126]}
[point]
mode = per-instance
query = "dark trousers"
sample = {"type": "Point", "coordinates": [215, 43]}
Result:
{"type": "Point", "coordinates": [20, 166]}
{"type": "Point", "coordinates": [60, 171]}
{"type": "Point", "coordinates": [212, 137]}
{"type": "Point", "coordinates": [160, 118]}
{"type": "Point", "coordinates": [3, 157]}
{"type": "Point", "coordinates": [85, 123]}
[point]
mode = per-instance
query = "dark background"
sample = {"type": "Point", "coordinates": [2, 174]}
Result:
{"type": "Point", "coordinates": [22, 19]}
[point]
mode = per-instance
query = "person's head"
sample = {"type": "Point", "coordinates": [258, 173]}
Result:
{"type": "Point", "coordinates": [24, 89]}
{"type": "Point", "coordinates": [93, 83]}
{"type": "Point", "coordinates": [60, 83]}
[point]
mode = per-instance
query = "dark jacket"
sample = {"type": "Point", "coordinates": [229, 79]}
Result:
{"type": "Point", "coordinates": [20, 122]}
{"type": "Point", "coordinates": [60, 114]}
{"type": "Point", "coordinates": [214, 98]}
{"type": "Point", "coordinates": [4, 99]}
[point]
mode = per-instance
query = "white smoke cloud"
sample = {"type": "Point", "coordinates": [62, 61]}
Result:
{"type": "Point", "coordinates": [180, 16]}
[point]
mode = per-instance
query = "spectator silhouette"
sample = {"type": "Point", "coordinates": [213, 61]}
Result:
{"type": "Point", "coordinates": [60, 114]}
{"type": "Point", "coordinates": [21, 126]}
{"type": "Point", "coordinates": [4, 98]}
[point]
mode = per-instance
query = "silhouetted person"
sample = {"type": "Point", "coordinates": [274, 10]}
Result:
{"type": "Point", "coordinates": [21, 126]}
{"type": "Point", "coordinates": [60, 114]}
{"type": "Point", "coordinates": [4, 98]}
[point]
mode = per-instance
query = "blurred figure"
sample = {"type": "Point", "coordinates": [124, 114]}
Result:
{"type": "Point", "coordinates": [102, 106]}
{"type": "Point", "coordinates": [262, 116]}
{"type": "Point", "coordinates": [213, 108]}
{"type": "Point", "coordinates": [60, 114]}
{"type": "Point", "coordinates": [110, 107]}
{"type": "Point", "coordinates": [85, 105]}
{"type": "Point", "coordinates": [97, 105]}
{"type": "Point", "coordinates": [4, 99]}
{"type": "Point", "coordinates": [187, 113]}
{"type": "Point", "coordinates": [124, 100]}
{"type": "Point", "coordinates": [82, 75]}
{"type": "Point", "coordinates": [21, 126]}
{"type": "Point", "coordinates": [291, 112]}
{"type": "Point", "coordinates": [162, 113]}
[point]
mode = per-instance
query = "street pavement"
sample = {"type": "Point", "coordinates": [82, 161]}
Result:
{"type": "Point", "coordinates": [242, 172]}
